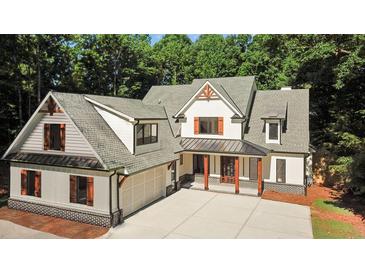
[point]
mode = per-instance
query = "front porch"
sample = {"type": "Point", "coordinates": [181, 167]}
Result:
{"type": "Point", "coordinates": [245, 187]}
{"type": "Point", "coordinates": [223, 173]}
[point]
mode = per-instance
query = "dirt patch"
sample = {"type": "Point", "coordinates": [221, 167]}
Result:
{"type": "Point", "coordinates": [314, 192]}
{"type": "Point", "coordinates": [56, 226]}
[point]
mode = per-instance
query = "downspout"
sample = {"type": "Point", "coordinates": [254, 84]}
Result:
{"type": "Point", "coordinates": [110, 197]}
{"type": "Point", "coordinates": [118, 205]}
{"type": "Point", "coordinates": [305, 179]}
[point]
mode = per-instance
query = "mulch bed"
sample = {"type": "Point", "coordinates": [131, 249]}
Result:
{"type": "Point", "coordinates": [56, 226]}
{"type": "Point", "coordinates": [319, 191]}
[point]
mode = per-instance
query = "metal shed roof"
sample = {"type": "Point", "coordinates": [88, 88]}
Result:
{"type": "Point", "coordinates": [222, 146]}
{"type": "Point", "coordinates": [56, 160]}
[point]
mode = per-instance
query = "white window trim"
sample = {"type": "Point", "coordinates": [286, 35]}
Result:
{"type": "Point", "coordinates": [268, 140]}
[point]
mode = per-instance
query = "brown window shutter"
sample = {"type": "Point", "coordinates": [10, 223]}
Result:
{"type": "Point", "coordinates": [90, 191]}
{"type": "Point", "coordinates": [37, 184]}
{"type": "Point", "coordinates": [23, 173]}
{"type": "Point", "coordinates": [196, 125]}
{"type": "Point", "coordinates": [63, 136]}
{"type": "Point", "coordinates": [73, 189]}
{"type": "Point", "coordinates": [220, 125]}
{"type": "Point", "coordinates": [47, 136]}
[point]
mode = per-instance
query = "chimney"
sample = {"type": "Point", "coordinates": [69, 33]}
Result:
{"type": "Point", "coordinates": [285, 88]}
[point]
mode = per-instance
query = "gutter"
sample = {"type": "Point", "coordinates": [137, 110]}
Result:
{"type": "Point", "coordinates": [110, 197]}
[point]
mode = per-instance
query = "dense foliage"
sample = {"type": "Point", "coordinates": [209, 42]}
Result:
{"type": "Point", "coordinates": [332, 66]}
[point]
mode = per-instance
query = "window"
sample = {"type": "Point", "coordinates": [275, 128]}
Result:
{"type": "Point", "coordinates": [280, 170]}
{"type": "Point", "coordinates": [181, 159]}
{"type": "Point", "coordinates": [82, 190]}
{"type": "Point", "coordinates": [147, 134]}
{"type": "Point", "coordinates": [208, 125]}
{"type": "Point", "coordinates": [273, 131]}
{"type": "Point", "coordinates": [55, 140]}
{"type": "Point", "coordinates": [54, 137]}
{"type": "Point", "coordinates": [31, 183]}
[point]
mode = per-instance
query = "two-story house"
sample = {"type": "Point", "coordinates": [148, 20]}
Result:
{"type": "Point", "coordinates": [97, 159]}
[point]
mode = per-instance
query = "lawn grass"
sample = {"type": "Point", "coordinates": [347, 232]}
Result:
{"type": "Point", "coordinates": [333, 229]}
{"type": "Point", "coordinates": [329, 206]}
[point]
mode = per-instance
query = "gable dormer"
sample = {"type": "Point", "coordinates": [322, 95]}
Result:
{"type": "Point", "coordinates": [274, 119]}
{"type": "Point", "coordinates": [209, 114]}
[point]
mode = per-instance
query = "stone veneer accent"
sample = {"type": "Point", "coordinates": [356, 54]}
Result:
{"type": "Point", "coordinates": [68, 214]}
{"type": "Point", "coordinates": [287, 188]}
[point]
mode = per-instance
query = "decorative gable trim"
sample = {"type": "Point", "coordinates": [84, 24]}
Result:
{"type": "Point", "coordinates": [207, 91]}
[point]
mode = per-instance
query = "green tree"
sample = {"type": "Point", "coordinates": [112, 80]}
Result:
{"type": "Point", "coordinates": [173, 53]}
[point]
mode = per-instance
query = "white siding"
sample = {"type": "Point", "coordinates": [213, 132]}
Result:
{"type": "Point", "coordinates": [143, 188]}
{"type": "Point", "coordinates": [122, 128]}
{"type": "Point", "coordinates": [55, 190]}
{"type": "Point", "coordinates": [211, 108]}
{"type": "Point", "coordinates": [75, 142]}
{"type": "Point", "coordinates": [294, 168]}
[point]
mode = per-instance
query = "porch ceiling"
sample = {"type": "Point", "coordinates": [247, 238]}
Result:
{"type": "Point", "coordinates": [222, 146]}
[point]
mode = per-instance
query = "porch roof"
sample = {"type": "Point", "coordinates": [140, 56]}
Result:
{"type": "Point", "coordinates": [222, 146]}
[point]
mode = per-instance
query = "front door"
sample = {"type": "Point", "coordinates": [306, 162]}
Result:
{"type": "Point", "coordinates": [227, 169]}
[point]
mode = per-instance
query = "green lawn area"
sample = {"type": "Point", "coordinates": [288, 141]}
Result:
{"type": "Point", "coordinates": [330, 206]}
{"type": "Point", "coordinates": [332, 229]}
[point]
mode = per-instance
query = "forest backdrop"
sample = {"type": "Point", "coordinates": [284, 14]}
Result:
{"type": "Point", "coordinates": [331, 66]}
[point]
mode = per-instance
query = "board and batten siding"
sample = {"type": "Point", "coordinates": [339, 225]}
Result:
{"type": "Point", "coordinates": [122, 128]}
{"type": "Point", "coordinates": [75, 142]}
{"type": "Point", "coordinates": [211, 108]}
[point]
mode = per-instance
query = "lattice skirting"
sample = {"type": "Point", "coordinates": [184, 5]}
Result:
{"type": "Point", "coordinates": [68, 214]}
{"type": "Point", "coordinates": [288, 188]}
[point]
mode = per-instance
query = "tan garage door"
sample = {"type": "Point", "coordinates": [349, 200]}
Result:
{"type": "Point", "coordinates": [141, 189]}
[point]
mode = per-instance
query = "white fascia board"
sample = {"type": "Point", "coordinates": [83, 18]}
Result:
{"type": "Point", "coordinates": [220, 96]}
{"type": "Point", "coordinates": [21, 133]}
{"type": "Point", "coordinates": [118, 113]}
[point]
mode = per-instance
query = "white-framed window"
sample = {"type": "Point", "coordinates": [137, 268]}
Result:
{"type": "Point", "coordinates": [273, 131]}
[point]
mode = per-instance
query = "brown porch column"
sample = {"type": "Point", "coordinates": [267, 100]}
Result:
{"type": "Point", "coordinates": [236, 176]}
{"type": "Point", "coordinates": [206, 164]}
{"type": "Point", "coordinates": [259, 176]}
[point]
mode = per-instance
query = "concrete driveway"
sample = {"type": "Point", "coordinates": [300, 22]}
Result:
{"type": "Point", "coordinates": [199, 214]}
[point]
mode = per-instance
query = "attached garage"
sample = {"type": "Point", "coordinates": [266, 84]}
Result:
{"type": "Point", "coordinates": [143, 188]}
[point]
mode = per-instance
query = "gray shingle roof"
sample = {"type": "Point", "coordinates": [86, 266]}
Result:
{"type": "Point", "coordinates": [131, 107]}
{"type": "Point", "coordinates": [296, 136]}
{"type": "Point", "coordinates": [236, 90]}
{"type": "Point", "coordinates": [222, 146]}
{"type": "Point", "coordinates": [113, 153]}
